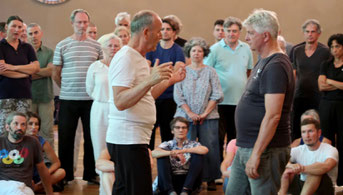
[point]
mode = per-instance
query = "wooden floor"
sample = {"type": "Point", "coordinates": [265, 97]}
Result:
{"type": "Point", "coordinates": [80, 187]}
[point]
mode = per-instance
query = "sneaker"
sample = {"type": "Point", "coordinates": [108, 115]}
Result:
{"type": "Point", "coordinates": [211, 186]}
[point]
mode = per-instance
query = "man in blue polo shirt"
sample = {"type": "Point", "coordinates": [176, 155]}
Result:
{"type": "Point", "coordinates": [17, 62]}
{"type": "Point", "coordinates": [232, 60]}
{"type": "Point", "coordinates": [166, 51]}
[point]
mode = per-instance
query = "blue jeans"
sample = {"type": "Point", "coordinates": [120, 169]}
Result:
{"type": "Point", "coordinates": [207, 135]}
{"type": "Point", "coordinates": [272, 164]}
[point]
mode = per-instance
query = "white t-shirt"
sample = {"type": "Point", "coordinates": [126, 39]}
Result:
{"type": "Point", "coordinates": [134, 125]}
{"type": "Point", "coordinates": [304, 156]}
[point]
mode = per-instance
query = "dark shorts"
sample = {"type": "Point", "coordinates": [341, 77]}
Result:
{"type": "Point", "coordinates": [325, 187]}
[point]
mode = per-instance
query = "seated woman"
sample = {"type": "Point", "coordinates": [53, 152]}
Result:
{"type": "Point", "coordinates": [179, 161]}
{"type": "Point", "coordinates": [52, 161]}
{"type": "Point", "coordinates": [311, 113]}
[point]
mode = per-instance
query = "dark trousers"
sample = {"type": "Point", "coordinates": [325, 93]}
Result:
{"type": "Point", "coordinates": [300, 105]}
{"type": "Point", "coordinates": [165, 110]}
{"type": "Point", "coordinates": [325, 187]}
{"type": "Point", "coordinates": [168, 182]}
{"type": "Point", "coordinates": [132, 169]}
{"type": "Point", "coordinates": [331, 121]}
{"type": "Point", "coordinates": [69, 114]}
{"type": "Point", "coordinates": [226, 126]}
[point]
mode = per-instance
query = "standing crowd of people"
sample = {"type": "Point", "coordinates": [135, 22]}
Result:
{"type": "Point", "coordinates": [218, 114]}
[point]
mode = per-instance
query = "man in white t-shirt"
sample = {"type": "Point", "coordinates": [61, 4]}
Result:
{"type": "Point", "coordinates": [315, 162]}
{"type": "Point", "coordinates": [133, 87]}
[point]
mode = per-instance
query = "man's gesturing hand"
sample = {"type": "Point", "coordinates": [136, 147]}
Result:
{"type": "Point", "coordinates": [161, 72]}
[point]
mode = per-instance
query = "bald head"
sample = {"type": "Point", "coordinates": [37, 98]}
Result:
{"type": "Point", "coordinates": [143, 19]}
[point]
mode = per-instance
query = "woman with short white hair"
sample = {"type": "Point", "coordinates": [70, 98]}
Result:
{"type": "Point", "coordinates": [97, 89]}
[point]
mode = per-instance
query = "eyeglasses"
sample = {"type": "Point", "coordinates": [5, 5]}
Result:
{"type": "Point", "coordinates": [178, 127]}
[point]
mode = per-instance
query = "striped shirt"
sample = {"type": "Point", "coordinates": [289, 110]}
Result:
{"type": "Point", "coordinates": [75, 57]}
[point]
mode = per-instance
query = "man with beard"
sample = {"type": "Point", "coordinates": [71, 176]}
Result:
{"type": "Point", "coordinates": [166, 51]}
{"type": "Point", "coordinates": [313, 166]}
{"type": "Point", "coordinates": [18, 155]}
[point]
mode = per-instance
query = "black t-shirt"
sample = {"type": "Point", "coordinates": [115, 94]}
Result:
{"type": "Point", "coordinates": [271, 75]}
{"type": "Point", "coordinates": [328, 69]}
{"type": "Point", "coordinates": [18, 159]}
{"type": "Point", "coordinates": [10, 87]}
{"type": "Point", "coordinates": [180, 41]}
{"type": "Point", "coordinates": [308, 69]}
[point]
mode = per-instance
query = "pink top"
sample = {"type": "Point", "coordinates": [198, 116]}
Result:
{"type": "Point", "coordinates": [231, 147]}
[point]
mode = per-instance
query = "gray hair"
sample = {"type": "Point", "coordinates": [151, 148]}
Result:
{"type": "Point", "coordinates": [314, 22]}
{"type": "Point", "coordinates": [177, 21]}
{"type": "Point", "coordinates": [104, 39]}
{"type": "Point", "coordinates": [196, 41]}
{"type": "Point", "coordinates": [263, 21]}
{"type": "Point", "coordinates": [229, 21]}
{"type": "Point", "coordinates": [141, 20]}
{"type": "Point", "coordinates": [282, 40]}
{"type": "Point", "coordinates": [31, 25]}
{"type": "Point", "coordinates": [74, 12]}
{"type": "Point", "coordinates": [10, 117]}
{"type": "Point", "coordinates": [178, 119]}
{"type": "Point", "coordinates": [311, 112]}
{"type": "Point", "coordinates": [120, 16]}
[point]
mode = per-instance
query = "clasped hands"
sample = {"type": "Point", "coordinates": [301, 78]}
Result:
{"type": "Point", "coordinates": [178, 154]}
{"type": "Point", "coordinates": [197, 118]}
{"type": "Point", "coordinates": [295, 168]}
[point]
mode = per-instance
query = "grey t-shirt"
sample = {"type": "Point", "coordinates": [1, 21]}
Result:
{"type": "Point", "coordinates": [271, 75]}
{"type": "Point", "coordinates": [18, 159]}
{"type": "Point", "coordinates": [75, 57]}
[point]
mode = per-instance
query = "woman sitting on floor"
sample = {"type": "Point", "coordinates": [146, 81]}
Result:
{"type": "Point", "coordinates": [50, 158]}
{"type": "Point", "coordinates": [179, 161]}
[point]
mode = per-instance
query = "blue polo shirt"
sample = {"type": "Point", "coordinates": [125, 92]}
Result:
{"type": "Point", "coordinates": [10, 87]}
{"type": "Point", "coordinates": [173, 54]}
{"type": "Point", "coordinates": [231, 67]}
